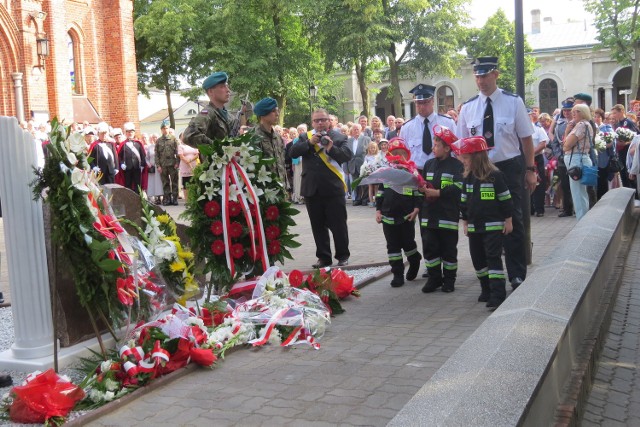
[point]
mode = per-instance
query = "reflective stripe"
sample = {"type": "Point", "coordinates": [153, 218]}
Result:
{"type": "Point", "coordinates": [411, 252]}
{"type": "Point", "coordinates": [424, 222]}
{"type": "Point", "coordinates": [482, 273]}
{"type": "Point", "coordinates": [450, 265]}
{"type": "Point", "coordinates": [388, 220]}
{"type": "Point", "coordinates": [395, 256]}
{"type": "Point", "coordinates": [432, 262]}
{"type": "Point", "coordinates": [504, 196]}
{"type": "Point", "coordinates": [449, 225]}
{"type": "Point", "coordinates": [458, 184]}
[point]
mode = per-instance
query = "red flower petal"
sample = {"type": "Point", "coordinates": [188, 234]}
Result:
{"type": "Point", "coordinates": [296, 278]}
{"type": "Point", "coordinates": [237, 251]}
{"type": "Point", "coordinates": [216, 228]}
{"type": "Point", "coordinates": [217, 247]}
{"type": "Point", "coordinates": [212, 209]}
{"type": "Point", "coordinates": [235, 230]}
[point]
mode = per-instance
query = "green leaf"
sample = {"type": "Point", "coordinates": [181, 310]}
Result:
{"type": "Point", "coordinates": [109, 264]}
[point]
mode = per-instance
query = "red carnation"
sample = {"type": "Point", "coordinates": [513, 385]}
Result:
{"type": "Point", "coordinates": [237, 250]}
{"type": "Point", "coordinates": [202, 356]}
{"type": "Point", "coordinates": [272, 213]}
{"type": "Point", "coordinates": [235, 230]}
{"type": "Point", "coordinates": [272, 232]}
{"type": "Point", "coordinates": [274, 247]}
{"type": "Point", "coordinates": [234, 208]}
{"type": "Point", "coordinates": [216, 228]}
{"type": "Point", "coordinates": [212, 209]}
{"type": "Point", "coordinates": [217, 247]}
{"type": "Point", "coordinates": [296, 278]}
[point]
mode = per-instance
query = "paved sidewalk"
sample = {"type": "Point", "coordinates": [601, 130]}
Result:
{"type": "Point", "coordinates": [615, 396]}
{"type": "Point", "coordinates": [372, 361]}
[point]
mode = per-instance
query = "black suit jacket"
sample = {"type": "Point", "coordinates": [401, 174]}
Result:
{"type": "Point", "coordinates": [106, 165]}
{"type": "Point", "coordinates": [317, 178]}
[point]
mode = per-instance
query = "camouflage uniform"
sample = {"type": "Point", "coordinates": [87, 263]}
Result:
{"type": "Point", "coordinates": [167, 159]}
{"type": "Point", "coordinates": [272, 146]}
{"type": "Point", "coordinates": [210, 125]}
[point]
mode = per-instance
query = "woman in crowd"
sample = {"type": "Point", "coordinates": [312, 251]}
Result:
{"type": "Point", "coordinates": [371, 158]}
{"type": "Point", "coordinates": [576, 153]}
{"type": "Point", "coordinates": [188, 161]}
{"type": "Point", "coordinates": [154, 183]}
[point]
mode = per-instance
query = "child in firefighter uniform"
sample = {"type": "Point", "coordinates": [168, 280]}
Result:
{"type": "Point", "coordinates": [441, 212]}
{"type": "Point", "coordinates": [486, 208]}
{"type": "Point", "coordinates": [397, 213]}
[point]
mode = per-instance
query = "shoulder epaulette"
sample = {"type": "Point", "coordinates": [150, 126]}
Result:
{"type": "Point", "coordinates": [471, 99]}
{"type": "Point", "coordinates": [509, 93]}
{"type": "Point", "coordinates": [445, 115]}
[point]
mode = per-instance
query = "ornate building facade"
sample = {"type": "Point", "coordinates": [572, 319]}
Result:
{"type": "Point", "coordinates": [71, 59]}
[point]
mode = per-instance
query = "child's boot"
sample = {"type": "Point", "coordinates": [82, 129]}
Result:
{"type": "Point", "coordinates": [484, 290]}
{"type": "Point", "coordinates": [397, 268]}
{"type": "Point", "coordinates": [498, 293]}
{"type": "Point", "coordinates": [414, 258]}
{"type": "Point", "coordinates": [434, 281]}
{"type": "Point", "coordinates": [449, 280]}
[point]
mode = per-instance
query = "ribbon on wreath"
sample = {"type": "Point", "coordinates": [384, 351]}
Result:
{"type": "Point", "coordinates": [235, 174]}
{"type": "Point", "coordinates": [144, 364]}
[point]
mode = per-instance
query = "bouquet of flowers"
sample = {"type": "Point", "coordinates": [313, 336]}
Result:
{"type": "Point", "coordinates": [624, 134]}
{"type": "Point", "coordinates": [398, 174]}
{"type": "Point", "coordinates": [239, 214]}
{"type": "Point", "coordinates": [600, 143]}
{"type": "Point", "coordinates": [368, 168]}
{"type": "Point", "coordinates": [608, 137]}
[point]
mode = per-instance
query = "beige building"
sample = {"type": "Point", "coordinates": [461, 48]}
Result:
{"type": "Point", "coordinates": [568, 63]}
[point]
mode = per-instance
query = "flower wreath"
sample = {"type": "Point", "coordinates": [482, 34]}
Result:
{"type": "Point", "coordinates": [239, 214]}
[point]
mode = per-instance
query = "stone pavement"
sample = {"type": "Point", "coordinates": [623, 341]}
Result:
{"type": "Point", "coordinates": [615, 395]}
{"type": "Point", "coordinates": [373, 358]}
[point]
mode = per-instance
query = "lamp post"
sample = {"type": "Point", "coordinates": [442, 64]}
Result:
{"type": "Point", "coordinates": [313, 93]}
{"type": "Point", "coordinates": [42, 45]}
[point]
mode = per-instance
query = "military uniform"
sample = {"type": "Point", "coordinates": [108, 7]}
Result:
{"type": "Point", "coordinates": [210, 125]}
{"type": "Point", "coordinates": [272, 146]}
{"type": "Point", "coordinates": [167, 159]}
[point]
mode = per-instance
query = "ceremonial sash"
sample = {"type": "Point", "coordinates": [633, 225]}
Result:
{"type": "Point", "coordinates": [330, 163]}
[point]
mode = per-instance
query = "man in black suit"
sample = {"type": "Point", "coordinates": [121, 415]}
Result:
{"type": "Point", "coordinates": [103, 153]}
{"type": "Point", "coordinates": [323, 187]}
{"type": "Point", "coordinates": [358, 143]}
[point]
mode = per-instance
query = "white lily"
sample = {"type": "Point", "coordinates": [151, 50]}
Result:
{"type": "Point", "coordinates": [79, 179]}
{"type": "Point", "coordinates": [263, 175]}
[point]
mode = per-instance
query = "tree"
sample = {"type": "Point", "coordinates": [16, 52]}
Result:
{"type": "Point", "coordinates": [619, 30]}
{"type": "Point", "coordinates": [498, 38]}
{"type": "Point", "coordinates": [165, 32]}
{"type": "Point", "coordinates": [424, 38]}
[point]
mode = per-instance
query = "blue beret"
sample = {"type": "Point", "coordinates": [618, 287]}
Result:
{"type": "Point", "coordinates": [164, 124]}
{"type": "Point", "coordinates": [214, 79]}
{"type": "Point", "coordinates": [583, 97]}
{"type": "Point", "coordinates": [484, 65]}
{"type": "Point", "coordinates": [423, 91]}
{"type": "Point", "coordinates": [265, 106]}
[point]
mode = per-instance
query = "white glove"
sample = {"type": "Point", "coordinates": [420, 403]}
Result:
{"type": "Point", "coordinates": [123, 167]}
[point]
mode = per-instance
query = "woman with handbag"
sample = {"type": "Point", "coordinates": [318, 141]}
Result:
{"type": "Point", "coordinates": [576, 147]}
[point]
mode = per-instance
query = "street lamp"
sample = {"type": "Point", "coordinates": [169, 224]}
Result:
{"type": "Point", "coordinates": [42, 47]}
{"type": "Point", "coordinates": [313, 93]}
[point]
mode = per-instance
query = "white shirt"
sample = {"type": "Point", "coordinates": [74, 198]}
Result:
{"type": "Point", "coordinates": [510, 122]}
{"type": "Point", "coordinates": [538, 136]}
{"type": "Point", "coordinates": [413, 130]}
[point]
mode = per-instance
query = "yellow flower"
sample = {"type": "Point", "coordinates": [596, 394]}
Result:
{"type": "Point", "coordinates": [163, 219]}
{"type": "Point", "coordinates": [185, 254]}
{"type": "Point", "coordinates": [178, 265]}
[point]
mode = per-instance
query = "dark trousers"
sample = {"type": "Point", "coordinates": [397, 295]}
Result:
{"type": "Point", "coordinates": [169, 177]}
{"type": "Point", "coordinates": [486, 256]}
{"type": "Point", "coordinates": [400, 237]}
{"type": "Point", "coordinates": [567, 201]}
{"type": "Point", "coordinates": [132, 179]}
{"type": "Point", "coordinates": [603, 182]}
{"type": "Point", "coordinates": [440, 246]}
{"type": "Point", "coordinates": [514, 244]}
{"type": "Point", "coordinates": [329, 213]}
{"type": "Point", "coordinates": [537, 197]}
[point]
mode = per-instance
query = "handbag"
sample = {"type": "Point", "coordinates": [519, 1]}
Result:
{"type": "Point", "coordinates": [152, 169]}
{"type": "Point", "coordinates": [575, 173]}
{"type": "Point", "coordinates": [589, 176]}
{"type": "Point", "coordinates": [614, 164]}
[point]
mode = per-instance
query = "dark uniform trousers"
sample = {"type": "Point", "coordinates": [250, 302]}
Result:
{"type": "Point", "coordinates": [514, 242]}
{"type": "Point", "coordinates": [400, 237]}
{"type": "Point", "coordinates": [567, 201]}
{"type": "Point", "coordinates": [486, 256]}
{"type": "Point", "coordinates": [132, 179]}
{"type": "Point", "coordinates": [440, 250]}
{"type": "Point", "coordinates": [169, 176]}
{"type": "Point", "coordinates": [329, 213]}
{"type": "Point", "coordinates": [537, 197]}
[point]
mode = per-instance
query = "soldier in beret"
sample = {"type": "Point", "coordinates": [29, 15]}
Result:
{"type": "Point", "coordinates": [213, 122]}
{"type": "Point", "coordinates": [270, 142]}
{"type": "Point", "coordinates": [167, 165]}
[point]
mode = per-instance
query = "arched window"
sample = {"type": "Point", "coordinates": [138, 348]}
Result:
{"type": "Point", "coordinates": [445, 99]}
{"type": "Point", "coordinates": [191, 112]}
{"type": "Point", "coordinates": [74, 69]}
{"type": "Point", "coordinates": [548, 95]}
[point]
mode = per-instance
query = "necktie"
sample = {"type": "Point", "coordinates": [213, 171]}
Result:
{"type": "Point", "coordinates": [427, 144]}
{"type": "Point", "coordinates": [487, 124]}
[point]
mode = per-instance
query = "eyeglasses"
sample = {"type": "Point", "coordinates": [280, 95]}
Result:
{"type": "Point", "coordinates": [320, 120]}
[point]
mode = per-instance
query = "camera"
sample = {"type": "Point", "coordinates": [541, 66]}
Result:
{"type": "Point", "coordinates": [324, 139]}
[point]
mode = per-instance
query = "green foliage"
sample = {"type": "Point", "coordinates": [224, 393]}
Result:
{"type": "Point", "coordinates": [497, 38]}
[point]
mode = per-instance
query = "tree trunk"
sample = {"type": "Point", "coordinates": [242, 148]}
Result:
{"type": "Point", "coordinates": [282, 106]}
{"type": "Point", "coordinates": [394, 79]}
{"type": "Point", "coordinates": [635, 74]}
{"type": "Point", "coordinates": [167, 92]}
{"type": "Point", "coordinates": [361, 71]}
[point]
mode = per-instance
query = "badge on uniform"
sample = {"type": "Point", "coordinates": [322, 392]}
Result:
{"type": "Point", "coordinates": [204, 112]}
{"type": "Point", "coordinates": [488, 135]}
{"type": "Point", "coordinates": [473, 131]}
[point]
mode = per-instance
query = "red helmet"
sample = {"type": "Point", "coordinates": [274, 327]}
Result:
{"type": "Point", "coordinates": [397, 143]}
{"type": "Point", "coordinates": [445, 134]}
{"type": "Point", "coordinates": [469, 145]}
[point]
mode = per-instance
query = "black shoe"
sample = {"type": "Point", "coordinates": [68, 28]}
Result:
{"type": "Point", "coordinates": [494, 303]}
{"type": "Point", "coordinates": [515, 282]}
{"type": "Point", "coordinates": [357, 203]}
{"type": "Point", "coordinates": [414, 266]}
{"type": "Point", "coordinates": [540, 214]}
{"type": "Point", "coordinates": [564, 215]}
{"type": "Point", "coordinates": [425, 274]}
{"type": "Point", "coordinates": [343, 262]}
{"type": "Point", "coordinates": [5, 380]}
{"type": "Point", "coordinates": [166, 202]}
{"type": "Point", "coordinates": [1, 298]}
{"type": "Point", "coordinates": [431, 285]}
{"type": "Point", "coordinates": [484, 293]}
{"type": "Point", "coordinates": [397, 281]}
{"type": "Point", "coordinates": [448, 288]}
{"type": "Point", "coordinates": [321, 264]}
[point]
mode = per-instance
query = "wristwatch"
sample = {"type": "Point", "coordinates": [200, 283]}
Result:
{"type": "Point", "coordinates": [531, 168]}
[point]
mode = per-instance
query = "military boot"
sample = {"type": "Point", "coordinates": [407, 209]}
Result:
{"type": "Point", "coordinates": [498, 293]}
{"type": "Point", "coordinates": [434, 281]}
{"type": "Point", "coordinates": [449, 281]}
{"type": "Point", "coordinates": [397, 268]}
{"type": "Point", "coordinates": [414, 265]}
{"type": "Point", "coordinates": [484, 292]}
